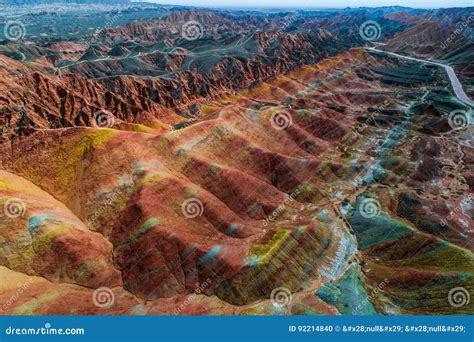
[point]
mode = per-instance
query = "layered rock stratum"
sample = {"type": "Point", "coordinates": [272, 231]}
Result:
{"type": "Point", "coordinates": [250, 171]}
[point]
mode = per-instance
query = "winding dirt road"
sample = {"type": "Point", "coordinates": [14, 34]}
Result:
{"type": "Point", "coordinates": [455, 83]}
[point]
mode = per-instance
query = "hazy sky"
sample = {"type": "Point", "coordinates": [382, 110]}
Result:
{"type": "Point", "coordinates": [322, 3]}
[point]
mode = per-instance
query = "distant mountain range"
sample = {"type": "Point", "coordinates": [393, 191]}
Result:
{"type": "Point", "coordinates": [32, 2]}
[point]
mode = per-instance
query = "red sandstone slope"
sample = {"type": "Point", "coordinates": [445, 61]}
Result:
{"type": "Point", "coordinates": [51, 101]}
{"type": "Point", "coordinates": [300, 140]}
{"type": "Point", "coordinates": [147, 73]}
{"type": "Point", "coordinates": [144, 180]}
